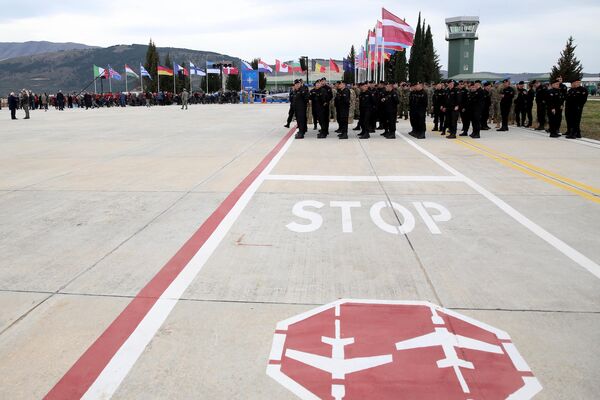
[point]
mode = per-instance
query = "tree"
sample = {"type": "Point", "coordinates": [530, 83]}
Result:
{"type": "Point", "coordinates": [415, 64]}
{"type": "Point", "coordinates": [431, 66]}
{"type": "Point", "coordinates": [262, 79]}
{"type": "Point", "coordinates": [349, 75]}
{"type": "Point", "coordinates": [400, 66]}
{"type": "Point", "coordinates": [150, 66]}
{"type": "Point", "coordinates": [166, 83]}
{"type": "Point", "coordinates": [568, 66]}
{"type": "Point", "coordinates": [233, 82]}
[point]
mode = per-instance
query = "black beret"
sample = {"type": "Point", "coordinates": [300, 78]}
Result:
{"type": "Point", "coordinates": [521, 83]}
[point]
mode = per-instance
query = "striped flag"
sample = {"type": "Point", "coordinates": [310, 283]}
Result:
{"type": "Point", "coordinates": [100, 72]}
{"type": "Point", "coordinates": [246, 66]}
{"type": "Point", "coordinates": [319, 68]}
{"type": "Point", "coordinates": [264, 67]}
{"type": "Point", "coordinates": [145, 73]}
{"type": "Point", "coordinates": [396, 32]}
{"type": "Point", "coordinates": [164, 71]}
{"type": "Point", "coordinates": [130, 72]}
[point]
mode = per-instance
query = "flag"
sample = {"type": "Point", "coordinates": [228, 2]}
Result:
{"type": "Point", "coordinates": [347, 65]}
{"type": "Point", "coordinates": [196, 71]}
{"type": "Point", "coordinates": [282, 67]}
{"type": "Point", "coordinates": [210, 69]}
{"type": "Point", "coordinates": [230, 71]}
{"type": "Point", "coordinates": [246, 66]}
{"type": "Point", "coordinates": [164, 71]}
{"type": "Point", "coordinates": [296, 67]}
{"type": "Point", "coordinates": [143, 72]}
{"type": "Point", "coordinates": [264, 67]}
{"type": "Point", "coordinates": [333, 66]}
{"type": "Point", "coordinates": [130, 72]}
{"type": "Point", "coordinates": [250, 81]}
{"type": "Point", "coordinates": [178, 68]}
{"type": "Point", "coordinates": [396, 32]}
{"type": "Point", "coordinates": [114, 74]}
{"type": "Point", "coordinates": [100, 72]}
{"type": "Point", "coordinates": [319, 68]}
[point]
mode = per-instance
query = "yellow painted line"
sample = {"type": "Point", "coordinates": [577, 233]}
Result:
{"type": "Point", "coordinates": [531, 173]}
{"type": "Point", "coordinates": [551, 174]}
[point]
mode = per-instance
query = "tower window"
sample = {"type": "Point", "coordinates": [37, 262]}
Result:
{"type": "Point", "coordinates": [466, 42]}
{"type": "Point", "coordinates": [466, 54]}
{"type": "Point", "coordinates": [466, 67]}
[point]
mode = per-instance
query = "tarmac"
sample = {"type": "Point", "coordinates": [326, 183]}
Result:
{"type": "Point", "coordinates": [150, 253]}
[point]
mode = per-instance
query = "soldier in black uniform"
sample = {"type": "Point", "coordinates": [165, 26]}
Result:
{"type": "Point", "coordinates": [530, 100]}
{"type": "Point", "coordinates": [418, 109]}
{"type": "Point", "coordinates": [313, 95]}
{"type": "Point", "coordinates": [576, 99]}
{"type": "Point", "coordinates": [521, 104]}
{"type": "Point", "coordinates": [301, 97]}
{"type": "Point", "coordinates": [379, 110]}
{"type": "Point", "coordinates": [507, 95]}
{"type": "Point", "coordinates": [390, 101]}
{"type": "Point", "coordinates": [554, 104]}
{"type": "Point", "coordinates": [291, 111]}
{"type": "Point", "coordinates": [326, 95]}
{"type": "Point", "coordinates": [451, 106]}
{"type": "Point", "coordinates": [476, 104]}
{"type": "Point", "coordinates": [342, 107]}
{"type": "Point", "coordinates": [366, 108]}
{"type": "Point", "coordinates": [373, 114]}
{"type": "Point", "coordinates": [439, 95]}
{"type": "Point", "coordinates": [464, 107]}
{"type": "Point", "coordinates": [487, 103]}
{"type": "Point", "coordinates": [540, 100]}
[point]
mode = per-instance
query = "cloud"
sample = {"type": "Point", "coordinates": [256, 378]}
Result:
{"type": "Point", "coordinates": [514, 36]}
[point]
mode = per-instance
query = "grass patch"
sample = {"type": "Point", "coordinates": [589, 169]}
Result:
{"type": "Point", "coordinates": [590, 120]}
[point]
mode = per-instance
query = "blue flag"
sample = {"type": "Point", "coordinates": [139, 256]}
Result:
{"type": "Point", "coordinates": [348, 67]}
{"type": "Point", "coordinates": [250, 80]}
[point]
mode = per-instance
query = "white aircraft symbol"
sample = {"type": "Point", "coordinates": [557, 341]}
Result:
{"type": "Point", "coordinates": [448, 341]}
{"type": "Point", "coordinates": [337, 365]}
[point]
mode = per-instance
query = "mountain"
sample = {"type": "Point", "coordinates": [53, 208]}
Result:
{"type": "Point", "coordinates": [71, 70]}
{"type": "Point", "coordinates": [12, 49]}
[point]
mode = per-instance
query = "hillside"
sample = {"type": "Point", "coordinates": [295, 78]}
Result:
{"type": "Point", "coordinates": [72, 70]}
{"type": "Point", "coordinates": [13, 49]}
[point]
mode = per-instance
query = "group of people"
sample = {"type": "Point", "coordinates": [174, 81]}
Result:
{"type": "Point", "coordinates": [476, 104]}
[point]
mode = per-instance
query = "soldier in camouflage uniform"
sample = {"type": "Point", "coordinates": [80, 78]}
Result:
{"type": "Point", "coordinates": [495, 112]}
{"type": "Point", "coordinates": [332, 110]}
{"type": "Point", "coordinates": [352, 105]}
{"type": "Point", "coordinates": [429, 91]}
{"type": "Point", "coordinates": [405, 93]}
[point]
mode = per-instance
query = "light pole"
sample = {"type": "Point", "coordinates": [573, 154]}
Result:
{"type": "Point", "coordinates": [307, 68]}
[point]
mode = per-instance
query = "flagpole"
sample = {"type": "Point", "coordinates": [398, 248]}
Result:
{"type": "Point", "coordinates": [174, 82]}
{"type": "Point", "coordinates": [126, 91]}
{"type": "Point", "coordinates": [157, 82]}
{"type": "Point", "coordinates": [190, 74]}
{"type": "Point", "coordinates": [141, 79]}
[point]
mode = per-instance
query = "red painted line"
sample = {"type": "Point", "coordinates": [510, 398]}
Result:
{"type": "Point", "coordinates": [88, 367]}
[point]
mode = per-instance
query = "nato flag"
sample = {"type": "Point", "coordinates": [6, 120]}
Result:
{"type": "Point", "coordinates": [250, 80]}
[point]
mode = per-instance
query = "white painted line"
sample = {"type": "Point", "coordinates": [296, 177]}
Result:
{"type": "Point", "coordinates": [516, 357]}
{"type": "Point", "coordinates": [277, 348]}
{"type": "Point", "coordinates": [586, 263]}
{"type": "Point", "coordinates": [530, 388]}
{"type": "Point", "coordinates": [583, 141]}
{"type": "Point", "coordinates": [119, 366]}
{"type": "Point", "coordinates": [365, 178]}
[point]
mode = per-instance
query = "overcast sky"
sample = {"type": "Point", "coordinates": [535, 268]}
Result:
{"type": "Point", "coordinates": [514, 36]}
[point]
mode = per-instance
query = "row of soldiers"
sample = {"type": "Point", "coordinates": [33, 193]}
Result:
{"type": "Point", "coordinates": [474, 103]}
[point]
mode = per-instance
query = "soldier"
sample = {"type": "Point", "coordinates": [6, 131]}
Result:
{"type": "Point", "coordinates": [404, 97]}
{"type": "Point", "coordinates": [332, 113]}
{"type": "Point", "coordinates": [342, 105]}
{"type": "Point", "coordinates": [554, 104]}
{"type": "Point", "coordinates": [496, 94]}
{"type": "Point", "coordinates": [301, 97]}
{"type": "Point", "coordinates": [291, 110]}
{"type": "Point", "coordinates": [576, 99]}
{"type": "Point", "coordinates": [521, 104]}
{"type": "Point", "coordinates": [438, 97]}
{"type": "Point", "coordinates": [506, 99]}
{"type": "Point", "coordinates": [429, 90]}
{"type": "Point", "coordinates": [378, 93]}
{"type": "Point", "coordinates": [366, 106]}
{"type": "Point", "coordinates": [418, 110]}
{"type": "Point", "coordinates": [60, 99]}
{"type": "Point", "coordinates": [476, 106]}
{"type": "Point", "coordinates": [356, 90]}
{"type": "Point", "coordinates": [185, 97]}
{"type": "Point", "coordinates": [353, 103]}
{"type": "Point", "coordinates": [451, 108]}
{"type": "Point", "coordinates": [540, 100]}
{"type": "Point", "coordinates": [487, 106]}
{"type": "Point", "coordinates": [314, 108]}
{"type": "Point", "coordinates": [25, 103]}
{"type": "Point", "coordinates": [325, 97]}
{"type": "Point", "coordinates": [463, 112]}
{"type": "Point", "coordinates": [390, 103]}
{"type": "Point", "coordinates": [530, 101]}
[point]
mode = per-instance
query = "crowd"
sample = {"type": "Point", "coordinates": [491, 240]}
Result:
{"type": "Point", "coordinates": [475, 104]}
{"type": "Point", "coordinates": [27, 100]}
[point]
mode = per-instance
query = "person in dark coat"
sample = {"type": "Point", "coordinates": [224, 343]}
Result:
{"type": "Point", "coordinates": [301, 97]}
{"type": "Point", "coordinates": [60, 99]}
{"type": "Point", "coordinates": [554, 103]}
{"type": "Point", "coordinates": [521, 104]}
{"type": "Point", "coordinates": [418, 108]}
{"type": "Point", "coordinates": [390, 101]}
{"type": "Point", "coordinates": [476, 105]}
{"type": "Point", "coordinates": [506, 99]}
{"type": "Point", "coordinates": [540, 100]}
{"type": "Point", "coordinates": [366, 108]}
{"type": "Point", "coordinates": [451, 108]}
{"type": "Point", "coordinates": [576, 99]}
{"type": "Point", "coordinates": [342, 107]}
{"type": "Point", "coordinates": [13, 104]}
{"type": "Point", "coordinates": [291, 111]}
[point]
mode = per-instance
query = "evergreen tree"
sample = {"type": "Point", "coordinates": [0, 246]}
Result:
{"type": "Point", "coordinates": [431, 67]}
{"type": "Point", "coordinates": [568, 66]}
{"type": "Point", "coordinates": [349, 75]}
{"type": "Point", "coordinates": [400, 66]}
{"type": "Point", "coordinates": [415, 64]}
{"type": "Point", "coordinates": [262, 79]}
{"type": "Point", "coordinates": [166, 82]}
{"type": "Point", "coordinates": [233, 82]}
{"type": "Point", "coordinates": [150, 66]}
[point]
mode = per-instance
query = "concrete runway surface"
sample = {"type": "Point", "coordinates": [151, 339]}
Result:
{"type": "Point", "coordinates": [151, 253]}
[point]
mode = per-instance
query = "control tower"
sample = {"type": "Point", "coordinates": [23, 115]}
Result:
{"type": "Point", "coordinates": [461, 37]}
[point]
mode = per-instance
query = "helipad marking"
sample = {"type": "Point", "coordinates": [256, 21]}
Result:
{"type": "Point", "coordinates": [101, 369]}
{"type": "Point", "coordinates": [365, 178]}
{"type": "Point", "coordinates": [543, 234]}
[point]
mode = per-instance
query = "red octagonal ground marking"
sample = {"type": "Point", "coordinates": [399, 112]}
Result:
{"type": "Point", "coordinates": [370, 349]}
